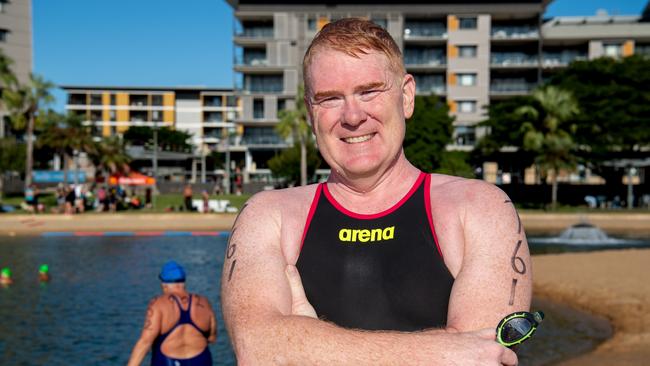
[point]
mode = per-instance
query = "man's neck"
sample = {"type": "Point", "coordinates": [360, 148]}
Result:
{"type": "Point", "coordinates": [375, 192]}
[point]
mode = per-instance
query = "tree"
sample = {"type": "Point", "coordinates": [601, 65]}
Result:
{"type": "Point", "coordinates": [67, 135]}
{"type": "Point", "coordinates": [168, 139]}
{"type": "Point", "coordinates": [287, 163]}
{"type": "Point", "coordinates": [547, 130]}
{"type": "Point", "coordinates": [428, 132]}
{"type": "Point", "coordinates": [294, 123]}
{"type": "Point", "coordinates": [110, 155]}
{"type": "Point", "coordinates": [24, 103]}
{"type": "Point", "coordinates": [614, 100]}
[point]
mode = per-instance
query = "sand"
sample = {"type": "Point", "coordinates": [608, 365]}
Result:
{"type": "Point", "coordinates": [612, 284]}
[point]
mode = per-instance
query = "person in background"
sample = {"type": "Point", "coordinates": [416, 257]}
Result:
{"type": "Point", "coordinates": [44, 273]}
{"type": "Point", "coordinates": [205, 196]}
{"type": "Point", "coordinates": [187, 197]}
{"type": "Point", "coordinates": [5, 277]}
{"type": "Point", "coordinates": [178, 325]}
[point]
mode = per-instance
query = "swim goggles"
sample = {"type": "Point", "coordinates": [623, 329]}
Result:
{"type": "Point", "coordinates": [518, 327]}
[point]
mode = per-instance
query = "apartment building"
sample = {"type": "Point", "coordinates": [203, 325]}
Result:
{"type": "Point", "coordinates": [208, 114]}
{"type": "Point", "coordinates": [16, 41]}
{"type": "Point", "coordinates": [469, 53]}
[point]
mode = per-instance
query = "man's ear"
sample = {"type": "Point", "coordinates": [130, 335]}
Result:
{"type": "Point", "coordinates": [408, 95]}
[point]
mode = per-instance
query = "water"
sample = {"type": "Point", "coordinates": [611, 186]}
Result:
{"type": "Point", "coordinates": [92, 311]}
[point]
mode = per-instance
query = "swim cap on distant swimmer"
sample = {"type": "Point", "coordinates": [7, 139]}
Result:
{"type": "Point", "coordinates": [44, 268]}
{"type": "Point", "coordinates": [6, 272]}
{"type": "Point", "coordinates": [172, 272]}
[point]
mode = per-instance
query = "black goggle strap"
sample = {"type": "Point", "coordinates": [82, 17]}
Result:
{"type": "Point", "coordinates": [533, 318]}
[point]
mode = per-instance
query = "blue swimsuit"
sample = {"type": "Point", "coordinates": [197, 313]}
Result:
{"type": "Point", "coordinates": [160, 359]}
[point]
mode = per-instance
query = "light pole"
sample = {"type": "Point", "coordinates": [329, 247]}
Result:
{"type": "Point", "coordinates": [155, 165]}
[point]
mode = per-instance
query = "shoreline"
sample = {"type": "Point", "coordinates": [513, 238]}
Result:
{"type": "Point", "coordinates": [609, 283]}
{"type": "Point", "coordinates": [619, 223]}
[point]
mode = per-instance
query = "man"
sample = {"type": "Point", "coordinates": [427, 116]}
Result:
{"type": "Point", "coordinates": [178, 324]}
{"type": "Point", "coordinates": [401, 267]}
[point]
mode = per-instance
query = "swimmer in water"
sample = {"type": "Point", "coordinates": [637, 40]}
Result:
{"type": "Point", "coordinates": [44, 273]}
{"type": "Point", "coordinates": [5, 277]}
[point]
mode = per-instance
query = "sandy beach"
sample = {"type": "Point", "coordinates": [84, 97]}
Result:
{"type": "Point", "coordinates": [612, 284]}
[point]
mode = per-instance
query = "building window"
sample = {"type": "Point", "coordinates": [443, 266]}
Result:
{"type": "Point", "coordinates": [466, 79]}
{"type": "Point", "coordinates": [467, 51]}
{"type": "Point", "coordinates": [466, 106]}
{"type": "Point", "coordinates": [95, 99]}
{"type": "Point", "coordinates": [231, 101]}
{"type": "Point", "coordinates": [464, 135]}
{"type": "Point", "coordinates": [258, 108]}
{"type": "Point", "coordinates": [157, 100]}
{"type": "Point", "coordinates": [467, 22]}
{"type": "Point", "coordinates": [382, 22]}
{"type": "Point", "coordinates": [77, 99]}
{"type": "Point", "coordinates": [264, 83]}
{"type": "Point", "coordinates": [112, 99]}
{"type": "Point", "coordinates": [613, 49]}
{"type": "Point", "coordinates": [282, 105]}
{"type": "Point", "coordinates": [3, 35]}
{"type": "Point", "coordinates": [311, 23]}
{"type": "Point", "coordinates": [156, 116]}
{"type": "Point", "coordinates": [112, 116]}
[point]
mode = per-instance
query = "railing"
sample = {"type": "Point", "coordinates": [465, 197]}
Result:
{"type": "Point", "coordinates": [256, 32]}
{"type": "Point", "coordinates": [511, 87]}
{"type": "Point", "coordinates": [263, 140]}
{"type": "Point", "coordinates": [256, 60]}
{"type": "Point", "coordinates": [424, 61]}
{"type": "Point", "coordinates": [512, 59]}
{"type": "Point", "coordinates": [424, 29]}
{"type": "Point", "coordinates": [514, 31]}
{"type": "Point", "coordinates": [430, 88]}
{"type": "Point", "coordinates": [561, 58]}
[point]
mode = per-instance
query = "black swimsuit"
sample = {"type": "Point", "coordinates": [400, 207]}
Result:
{"type": "Point", "coordinates": [376, 272]}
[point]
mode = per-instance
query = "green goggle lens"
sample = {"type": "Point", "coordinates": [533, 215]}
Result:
{"type": "Point", "coordinates": [517, 327]}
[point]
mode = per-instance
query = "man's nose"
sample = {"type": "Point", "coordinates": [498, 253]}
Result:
{"type": "Point", "coordinates": [353, 113]}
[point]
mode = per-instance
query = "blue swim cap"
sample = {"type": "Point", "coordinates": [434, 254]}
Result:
{"type": "Point", "coordinates": [172, 272]}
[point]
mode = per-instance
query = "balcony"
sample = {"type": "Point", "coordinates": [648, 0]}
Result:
{"type": "Point", "coordinates": [263, 84]}
{"type": "Point", "coordinates": [425, 31]}
{"type": "Point", "coordinates": [430, 84]}
{"type": "Point", "coordinates": [77, 99]}
{"type": "Point", "coordinates": [511, 87]}
{"type": "Point", "coordinates": [254, 34]}
{"type": "Point", "coordinates": [513, 59]}
{"type": "Point", "coordinates": [260, 141]}
{"type": "Point", "coordinates": [514, 32]}
{"type": "Point", "coordinates": [561, 59]}
{"type": "Point", "coordinates": [258, 64]}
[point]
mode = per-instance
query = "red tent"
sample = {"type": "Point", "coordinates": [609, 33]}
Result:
{"type": "Point", "coordinates": [132, 179]}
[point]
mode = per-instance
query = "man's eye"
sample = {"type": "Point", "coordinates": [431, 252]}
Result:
{"type": "Point", "coordinates": [330, 102]}
{"type": "Point", "coordinates": [369, 94]}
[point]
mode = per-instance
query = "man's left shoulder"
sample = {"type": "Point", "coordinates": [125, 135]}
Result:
{"type": "Point", "coordinates": [464, 190]}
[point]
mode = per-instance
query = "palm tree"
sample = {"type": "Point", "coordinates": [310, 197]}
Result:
{"type": "Point", "coordinates": [7, 77]}
{"type": "Point", "coordinates": [294, 123]}
{"type": "Point", "coordinates": [24, 103]}
{"type": "Point", "coordinates": [110, 155]}
{"type": "Point", "coordinates": [547, 132]}
{"type": "Point", "coordinates": [67, 136]}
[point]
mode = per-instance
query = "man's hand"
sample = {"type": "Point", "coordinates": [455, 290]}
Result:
{"type": "Point", "coordinates": [299, 303]}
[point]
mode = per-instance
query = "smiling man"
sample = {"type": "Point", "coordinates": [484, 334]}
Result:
{"type": "Point", "coordinates": [383, 263]}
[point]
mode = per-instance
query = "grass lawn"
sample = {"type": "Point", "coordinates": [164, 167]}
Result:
{"type": "Point", "coordinates": [162, 202]}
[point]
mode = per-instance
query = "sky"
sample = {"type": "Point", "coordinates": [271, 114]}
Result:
{"type": "Point", "coordinates": [165, 42]}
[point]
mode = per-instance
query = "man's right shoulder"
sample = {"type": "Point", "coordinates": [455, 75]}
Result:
{"type": "Point", "coordinates": [282, 200]}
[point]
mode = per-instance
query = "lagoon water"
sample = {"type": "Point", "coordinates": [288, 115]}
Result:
{"type": "Point", "coordinates": [92, 311]}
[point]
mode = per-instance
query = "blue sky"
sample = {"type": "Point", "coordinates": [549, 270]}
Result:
{"type": "Point", "coordinates": [165, 42]}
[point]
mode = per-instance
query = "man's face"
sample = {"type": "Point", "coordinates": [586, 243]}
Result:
{"type": "Point", "coordinates": [357, 108]}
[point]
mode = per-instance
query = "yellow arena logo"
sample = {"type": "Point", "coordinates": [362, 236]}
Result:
{"type": "Point", "coordinates": [366, 235]}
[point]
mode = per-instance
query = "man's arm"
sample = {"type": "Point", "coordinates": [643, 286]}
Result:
{"type": "Point", "coordinates": [495, 276]}
{"type": "Point", "coordinates": [257, 304]}
{"type": "Point", "coordinates": [150, 331]}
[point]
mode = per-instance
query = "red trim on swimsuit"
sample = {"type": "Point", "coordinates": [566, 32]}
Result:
{"type": "Point", "coordinates": [312, 209]}
{"type": "Point", "coordinates": [427, 206]}
{"type": "Point", "coordinates": [359, 216]}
